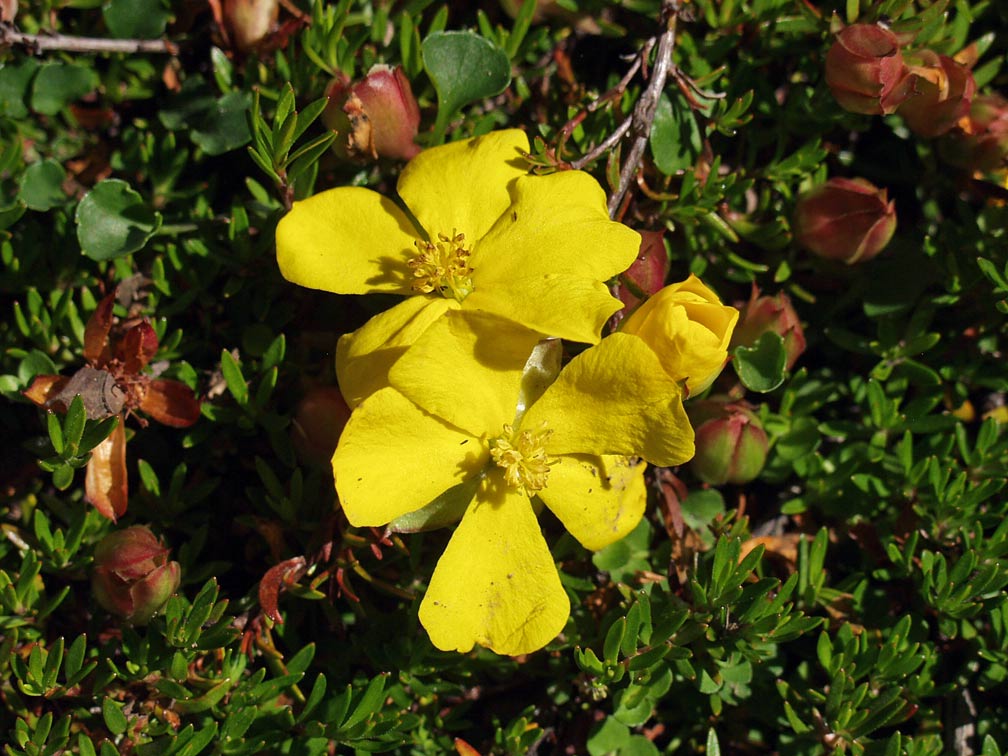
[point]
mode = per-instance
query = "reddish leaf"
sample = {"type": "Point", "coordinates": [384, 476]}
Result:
{"type": "Point", "coordinates": [171, 403]}
{"type": "Point", "coordinates": [97, 330]}
{"type": "Point", "coordinates": [277, 577]}
{"type": "Point", "coordinates": [44, 387]}
{"type": "Point", "coordinates": [464, 749]}
{"type": "Point", "coordinates": [137, 347]}
{"type": "Point", "coordinates": [672, 493]}
{"type": "Point", "coordinates": [105, 481]}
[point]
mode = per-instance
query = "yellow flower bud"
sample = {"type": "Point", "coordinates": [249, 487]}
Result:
{"type": "Point", "coordinates": [689, 329]}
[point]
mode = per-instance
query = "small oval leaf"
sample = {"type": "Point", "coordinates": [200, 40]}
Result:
{"type": "Point", "coordinates": [112, 221]}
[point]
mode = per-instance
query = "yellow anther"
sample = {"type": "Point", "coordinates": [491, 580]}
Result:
{"type": "Point", "coordinates": [523, 457]}
{"type": "Point", "coordinates": [442, 266]}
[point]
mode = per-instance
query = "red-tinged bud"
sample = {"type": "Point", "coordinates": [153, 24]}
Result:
{"type": "Point", "coordinates": [770, 314]}
{"type": "Point", "coordinates": [865, 70]}
{"type": "Point", "coordinates": [333, 116]}
{"type": "Point", "coordinates": [384, 115]}
{"type": "Point", "coordinates": [850, 220]}
{"type": "Point", "coordinates": [945, 90]}
{"type": "Point", "coordinates": [982, 143]}
{"type": "Point", "coordinates": [8, 10]}
{"type": "Point", "coordinates": [647, 274]}
{"type": "Point", "coordinates": [731, 445]}
{"type": "Point", "coordinates": [318, 423]}
{"type": "Point", "coordinates": [248, 22]}
{"type": "Point", "coordinates": [132, 575]}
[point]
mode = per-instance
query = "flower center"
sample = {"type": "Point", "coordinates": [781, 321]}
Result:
{"type": "Point", "coordinates": [443, 266]}
{"type": "Point", "coordinates": [523, 457]}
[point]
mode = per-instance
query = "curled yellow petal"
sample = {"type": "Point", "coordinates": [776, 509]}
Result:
{"type": "Point", "coordinates": [364, 357]}
{"type": "Point", "coordinates": [467, 369]}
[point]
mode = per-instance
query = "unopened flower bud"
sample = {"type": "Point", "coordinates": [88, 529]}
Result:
{"type": "Point", "coordinates": [8, 10]}
{"type": "Point", "coordinates": [731, 445]}
{"type": "Point", "coordinates": [384, 115]}
{"type": "Point", "coordinates": [249, 21]}
{"type": "Point", "coordinates": [982, 143]}
{"type": "Point", "coordinates": [132, 575]}
{"type": "Point", "coordinates": [865, 70]}
{"type": "Point", "coordinates": [688, 328]}
{"type": "Point", "coordinates": [318, 423]}
{"type": "Point", "coordinates": [850, 220]}
{"type": "Point", "coordinates": [770, 314]}
{"type": "Point", "coordinates": [945, 90]}
{"type": "Point", "coordinates": [646, 275]}
{"type": "Point", "coordinates": [333, 116]}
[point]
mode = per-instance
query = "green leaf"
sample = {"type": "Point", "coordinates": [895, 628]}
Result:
{"type": "Point", "coordinates": [369, 702]}
{"type": "Point", "coordinates": [700, 508]}
{"type": "Point", "coordinates": [41, 185]}
{"type": "Point", "coordinates": [675, 136]}
{"type": "Point", "coordinates": [59, 84]}
{"type": "Point", "coordinates": [73, 424]}
{"type": "Point", "coordinates": [14, 83]}
{"type": "Point", "coordinates": [761, 368]}
{"type": "Point", "coordinates": [223, 127]}
{"type": "Point", "coordinates": [115, 720]}
{"type": "Point", "coordinates": [464, 67]}
{"type": "Point", "coordinates": [233, 377]}
{"type": "Point", "coordinates": [609, 738]}
{"type": "Point", "coordinates": [112, 221]}
{"type": "Point", "coordinates": [713, 747]}
{"type": "Point", "coordinates": [135, 19]}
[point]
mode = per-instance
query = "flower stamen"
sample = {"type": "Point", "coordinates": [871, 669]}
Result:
{"type": "Point", "coordinates": [442, 266]}
{"type": "Point", "coordinates": [523, 457]}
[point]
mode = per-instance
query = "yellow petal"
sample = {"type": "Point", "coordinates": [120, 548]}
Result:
{"type": "Point", "coordinates": [464, 186]}
{"type": "Point", "coordinates": [348, 240]}
{"type": "Point", "coordinates": [394, 458]}
{"type": "Point", "coordinates": [598, 499]}
{"type": "Point", "coordinates": [533, 302]}
{"type": "Point", "coordinates": [614, 398]}
{"type": "Point", "coordinates": [556, 243]}
{"type": "Point", "coordinates": [467, 369]}
{"type": "Point", "coordinates": [496, 584]}
{"type": "Point", "coordinates": [557, 224]}
{"type": "Point", "coordinates": [363, 358]}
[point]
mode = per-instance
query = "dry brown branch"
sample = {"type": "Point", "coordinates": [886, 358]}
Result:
{"type": "Point", "coordinates": [39, 43]}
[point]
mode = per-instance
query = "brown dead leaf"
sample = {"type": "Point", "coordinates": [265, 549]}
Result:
{"type": "Point", "coordinates": [171, 403]}
{"type": "Point", "coordinates": [44, 388]}
{"type": "Point", "coordinates": [96, 350]}
{"type": "Point", "coordinates": [783, 546]}
{"type": "Point", "coordinates": [673, 491]}
{"type": "Point", "coordinates": [105, 484]}
{"type": "Point", "coordinates": [137, 347]}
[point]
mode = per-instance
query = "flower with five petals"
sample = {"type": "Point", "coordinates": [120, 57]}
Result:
{"type": "Point", "coordinates": [478, 234]}
{"type": "Point", "coordinates": [484, 430]}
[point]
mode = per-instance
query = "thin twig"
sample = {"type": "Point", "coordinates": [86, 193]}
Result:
{"type": "Point", "coordinates": [37, 43]}
{"type": "Point", "coordinates": [604, 146]}
{"type": "Point", "coordinates": [644, 110]}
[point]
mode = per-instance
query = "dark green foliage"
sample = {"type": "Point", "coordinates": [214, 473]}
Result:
{"type": "Point", "coordinates": [852, 599]}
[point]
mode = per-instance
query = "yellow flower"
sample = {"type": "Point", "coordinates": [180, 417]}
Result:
{"type": "Point", "coordinates": [482, 427]}
{"type": "Point", "coordinates": [479, 235]}
{"type": "Point", "coordinates": [688, 328]}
